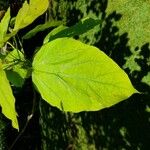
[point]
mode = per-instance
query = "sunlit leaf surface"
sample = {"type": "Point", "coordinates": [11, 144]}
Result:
{"type": "Point", "coordinates": [4, 26]}
{"type": "Point", "coordinates": [7, 100]}
{"type": "Point", "coordinates": [77, 77]}
{"type": "Point", "coordinates": [29, 12]}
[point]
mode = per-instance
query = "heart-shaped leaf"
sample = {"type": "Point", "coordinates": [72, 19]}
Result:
{"type": "Point", "coordinates": [77, 77]}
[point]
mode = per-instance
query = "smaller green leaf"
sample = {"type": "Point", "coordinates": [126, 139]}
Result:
{"type": "Point", "coordinates": [40, 28]}
{"type": "Point", "coordinates": [7, 100]}
{"type": "Point", "coordinates": [3, 27]}
{"type": "Point", "coordinates": [14, 64]}
{"type": "Point", "coordinates": [29, 12]}
{"type": "Point", "coordinates": [14, 78]}
{"type": "Point", "coordinates": [54, 32]}
{"type": "Point", "coordinates": [78, 29]}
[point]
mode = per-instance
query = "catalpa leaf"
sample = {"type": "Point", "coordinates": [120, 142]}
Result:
{"type": "Point", "coordinates": [4, 26]}
{"type": "Point", "coordinates": [77, 77]}
{"type": "Point", "coordinates": [29, 12]}
{"type": "Point", "coordinates": [81, 27]}
{"type": "Point", "coordinates": [14, 78]}
{"type": "Point", "coordinates": [14, 64]}
{"type": "Point", "coordinates": [53, 34]}
{"type": "Point", "coordinates": [40, 28]}
{"type": "Point", "coordinates": [7, 100]}
{"type": "Point", "coordinates": [26, 15]}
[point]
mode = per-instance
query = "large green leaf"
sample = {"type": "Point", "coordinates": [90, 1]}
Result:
{"type": "Point", "coordinates": [4, 26]}
{"type": "Point", "coordinates": [7, 100]}
{"type": "Point", "coordinates": [77, 77]}
{"type": "Point", "coordinates": [29, 12]}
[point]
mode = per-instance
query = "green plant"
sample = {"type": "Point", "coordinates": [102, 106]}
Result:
{"type": "Point", "coordinates": [67, 73]}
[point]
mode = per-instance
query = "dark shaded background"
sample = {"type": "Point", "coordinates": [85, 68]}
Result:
{"type": "Point", "coordinates": [124, 126]}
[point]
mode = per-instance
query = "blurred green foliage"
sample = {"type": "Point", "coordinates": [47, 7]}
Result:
{"type": "Point", "coordinates": [3, 4]}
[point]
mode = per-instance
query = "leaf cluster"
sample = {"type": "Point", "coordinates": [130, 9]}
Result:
{"type": "Point", "coordinates": [68, 74]}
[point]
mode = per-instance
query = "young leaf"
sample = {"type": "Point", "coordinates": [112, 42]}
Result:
{"type": "Point", "coordinates": [40, 28]}
{"type": "Point", "coordinates": [81, 27]}
{"type": "Point", "coordinates": [26, 15]}
{"type": "Point", "coordinates": [3, 27]}
{"type": "Point", "coordinates": [53, 33]}
{"type": "Point", "coordinates": [15, 78]}
{"type": "Point", "coordinates": [7, 100]}
{"type": "Point", "coordinates": [29, 12]}
{"type": "Point", "coordinates": [77, 77]}
{"type": "Point", "coordinates": [14, 64]}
